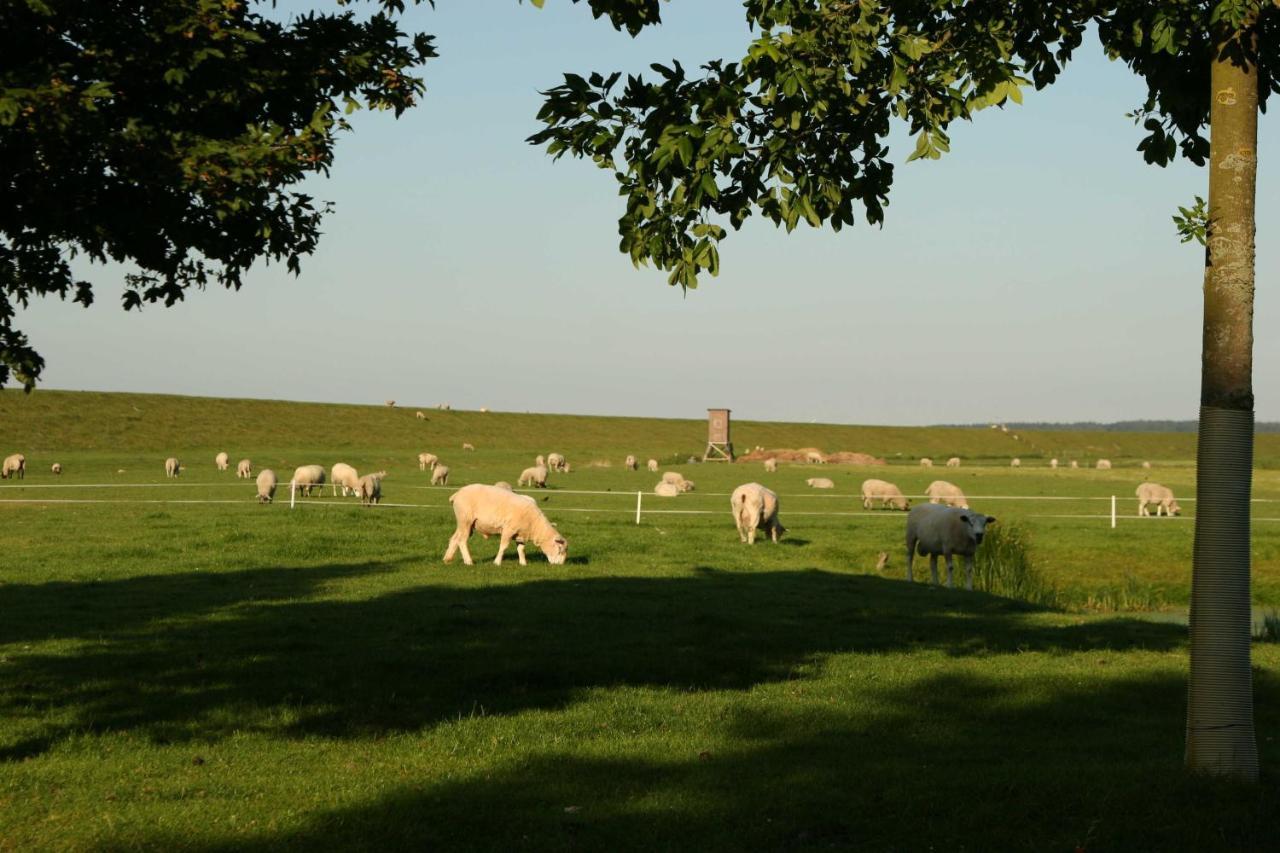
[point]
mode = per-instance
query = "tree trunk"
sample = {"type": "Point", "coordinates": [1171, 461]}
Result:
{"type": "Point", "coordinates": [1220, 733]}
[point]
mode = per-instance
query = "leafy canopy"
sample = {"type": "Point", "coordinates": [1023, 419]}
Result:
{"type": "Point", "coordinates": [795, 129]}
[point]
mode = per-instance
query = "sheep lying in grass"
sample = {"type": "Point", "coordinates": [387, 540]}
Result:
{"type": "Point", "coordinates": [369, 487]}
{"type": "Point", "coordinates": [244, 469]}
{"type": "Point", "coordinates": [1160, 496]}
{"type": "Point", "coordinates": [820, 483]}
{"type": "Point", "coordinates": [535, 476]}
{"type": "Point", "coordinates": [1103, 465]}
{"type": "Point", "coordinates": [677, 479]}
{"type": "Point", "coordinates": [666, 490]}
{"type": "Point", "coordinates": [652, 465]}
{"type": "Point", "coordinates": [755, 508]}
{"type": "Point", "coordinates": [56, 468]}
{"type": "Point", "coordinates": [887, 493]}
{"type": "Point", "coordinates": [427, 460]}
{"type": "Point", "coordinates": [771, 465]}
{"type": "Point", "coordinates": [14, 466]}
{"type": "Point", "coordinates": [489, 510]}
{"type": "Point", "coordinates": [940, 491]}
{"type": "Point", "coordinates": [306, 478]}
{"type": "Point", "coordinates": [440, 475]}
{"type": "Point", "coordinates": [1146, 465]}
{"type": "Point", "coordinates": [630, 463]}
{"type": "Point", "coordinates": [946, 531]}
{"type": "Point", "coordinates": [221, 461]}
{"type": "Point", "coordinates": [266, 486]}
{"type": "Point", "coordinates": [343, 476]}
{"type": "Point", "coordinates": [172, 467]}
{"type": "Point", "coordinates": [1015, 462]}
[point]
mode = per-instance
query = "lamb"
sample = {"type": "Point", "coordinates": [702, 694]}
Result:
{"type": "Point", "coordinates": [344, 476]}
{"type": "Point", "coordinates": [940, 491]}
{"type": "Point", "coordinates": [771, 465]}
{"type": "Point", "coordinates": [953, 462]}
{"type": "Point", "coordinates": [755, 508]}
{"type": "Point", "coordinates": [56, 468]}
{"type": "Point", "coordinates": [652, 465]}
{"type": "Point", "coordinates": [306, 478]}
{"type": "Point", "coordinates": [427, 460]}
{"type": "Point", "coordinates": [221, 460]}
{"type": "Point", "coordinates": [1161, 496]}
{"type": "Point", "coordinates": [172, 467]}
{"type": "Point", "coordinates": [939, 530]}
{"type": "Point", "coordinates": [926, 462]}
{"type": "Point", "coordinates": [815, 457]}
{"type": "Point", "coordinates": [630, 463]}
{"type": "Point", "coordinates": [1053, 463]}
{"type": "Point", "coordinates": [1015, 462]}
{"type": "Point", "coordinates": [266, 486]}
{"type": "Point", "coordinates": [491, 510]}
{"type": "Point", "coordinates": [440, 475]}
{"type": "Point", "coordinates": [14, 466]}
{"type": "Point", "coordinates": [1104, 465]}
{"type": "Point", "coordinates": [887, 493]}
{"type": "Point", "coordinates": [466, 445]}
{"type": "Point", "coordinates": [820, 483]}
{"type": "Point", "coordinates": [535, 476]}
{"type": "Point", "coordinates": [369, 488]}
{"type": "Point", "coordinates": [555, 461]}
{"type": "Point", "coordinates": [244, 469]}
{"type": "Point", "coordinates": [666, 490]}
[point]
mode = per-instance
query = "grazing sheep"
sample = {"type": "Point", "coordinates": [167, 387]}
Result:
{"type": "Point", "coordinates": [490, 510]}
{"type": "Point", "coordinates": [388, 402]}
{"type": "Point", "coordinates": [887, 493]}
{"type": "Point", "coordinates": [820, 483]}
{"type": "Point", "coordinates": [266, 486]}
{"type": "Point", "coordinates": [815, 457]}
{"type": "Point", "coordinates": [56, 468]}
{"type": "Point", "coordinates": [946, 531]}
{"type": "Point", "coordinates": [1146, 465]}
{"type": "Point", "coordinates": [369, 488]}
{"type": "Point", "coordinates": [1160, 496]}
{"type": "Point", "coordinates": [555, 461]}
{"type": "Point", "coordinates": [172, 467]}
{"type": "Point", "coordinates": [1015, 462]}
{"type": "Point", "coordinates": [420, 415]}
{"type": "Point", "coordinates": [755, 508]}
{"type": "Point", "coordinates": [306, 478]}
{"type": "Point", "coordinates": [343, 476]}
{"type": "Point", "coordinates": [771, 465]}
{"type": "Point", "coordinates": [1053, 463]}
{"type": "Point", "coordinates": [666, 490]}
{"type": "Point", "coordinates": [440, 475]}
{"type": "Point", "coordinates": [630, 463]}
{"type": "Point", "coordinates": [427, 460]}
{"type": "Point", "coordinates": [1103, 465]}
{"type": "Point", "coordinates": [940, 491]}
{"type": "Point", "coordinates": [503, 484]}
{"type": "Point", "coordinates": [1075, 464]}
{"type": "Point", "coordinates": [244, 469]}
{"type": "Point", "coordinates": [926, 462]}
{"type": "Point", "coordinates": [535, 476]}
{"type": "Point", "coordinates": [221, 461]}
{"type": "Point", "coordinates": [652, 464]}
{"type": "Point", "coordinates": [466, 445]}
{"type": "Point", "coordinates": [953, 462]}
{"type": "Point", "coordinates": [14, 466]}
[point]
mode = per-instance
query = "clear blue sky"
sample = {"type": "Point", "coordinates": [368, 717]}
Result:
{"type": "Point", "coordinates": [1033, 273]}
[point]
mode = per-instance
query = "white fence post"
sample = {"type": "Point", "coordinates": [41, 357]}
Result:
{"type": "Point", "coordinates": [1113, 512]}
{"type": "Point", "coordinates": [293, 490]}
{"type": "Point", "coordinates": [639, 498]}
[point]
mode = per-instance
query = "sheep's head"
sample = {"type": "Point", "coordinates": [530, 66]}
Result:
{"type": "Point", "coordinates": [556, 550]}
{"type": "Point", "coordinates": [1174, 509]}
{"type": "Point", "coordinates": [977, 523]}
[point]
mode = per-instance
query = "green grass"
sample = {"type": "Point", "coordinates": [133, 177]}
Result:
{"type": "Point", "coordinates": [215, 676]}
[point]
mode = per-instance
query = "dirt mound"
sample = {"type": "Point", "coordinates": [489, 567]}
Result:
{"type": "Point", "coordinates": [786, 454]}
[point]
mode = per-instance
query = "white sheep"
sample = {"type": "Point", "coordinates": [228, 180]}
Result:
{"type": "Point", "coordinates": [666, 490]}
{"type": "Point", "coordinates": [466, 445]}
{"type": "Point", "coordinates": [484, 410]}
{"type": "Point", "coordinates": [221, 460]}
{"type": "Point", "coordinates": [940, 491]}
{"type": "Point", "coordinates": [369, 487]}
{"type": "Point", "coordinates": [953, 462]}
{"type": "Point", "coordinates": [820, 483]}
{"type": "Point", "coordinates": [555, 461]}
{"type": "Point", "coordinates": [815, 457]}
{"type": "Point", "coordinates": [540, 461]}
{"type": "Point", "coordinates": [771, 465]}
{"type": "Point", "coordinates": [926, 462]}
{"type": "Point", "coordinates": [1160, 496]}
{"type": "Point", "coordinates": [266, 486]}
{"type": "Point", "coordinates": [388, 402]}
{"type": "Point", "coordinates": [1146, 465]}
{"type": "Point", "coordinates": [306, 478]}
{"type": "Point", "coordinates": [535, 476]}
{"type": "Point", "coordinates": [652, 465]}
{"type": "Point", "coordinates": [427, 460]}
{"type": "Point", "coordinates": [172, 467]}
{"type": "Point", "coordinates": [56, 468]}
{"type": "Point", "coordinates": [420, 415]}
{"type": "Point", "coordinates": [1053, 463]}
{"type": "Point", "coordinates": [244, 469]}
{"type": "Point", "coordinates": [630, 463]}
{"type": "Point", "coordinates": [887, 493]}
{"type": "Point", "coordinates": [1075, 464]}
{"type": "Point", "coordinates": [343, 476]}
{"type": "Point", "coordinates": [14, 466]}
{"type": "Point", "coordinates": [1104, 465]}
{"type": "Point", "coordinates": [440, 475]}
{"type": "Point", "coordinates": [755, 508]}
{"type": "Point", "coordinates": [1015, 462]}
{"type": "Point", "coordinates": [490, 510]}
{"type": "Point", "coordinates": [677, 479]}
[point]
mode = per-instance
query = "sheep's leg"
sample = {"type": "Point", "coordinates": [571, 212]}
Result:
{"type": "Point", "coordinates": [520, 553]}
{"type": "Point", "coordinates": [751, 536]}
{"type": "Point", "coordinates": [463, 536]}
{"type": "Point", "coordinates": [950, 564]}
{"type": "Point", "coordinates": [911, 556]}
{"type": "Point", "coordinates": [503, 541]}
{"type": "Point", "coordinates": [773, 532]}
{"type": "Point", "coordinates": [453, 547]}
{"type": "Point", "coordinates": [968, 572]}
{"type": "Point", "coordinates": [933, 568]}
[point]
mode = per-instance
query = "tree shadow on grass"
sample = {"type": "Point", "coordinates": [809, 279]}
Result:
{"type": "Point", "coordinates": [196, 657]}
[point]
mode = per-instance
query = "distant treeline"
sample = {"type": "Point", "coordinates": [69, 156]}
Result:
{"type": "Point", "coordinates": [1118, 426]}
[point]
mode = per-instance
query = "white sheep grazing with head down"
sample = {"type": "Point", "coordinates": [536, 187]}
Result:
{"type": "Point", "coordinates": [420, 415]}
{"type": "Point", "coordinates": [535, 476]}
{"type": "Point", "coordinates": [630, 463]}
{"type": "Point", "coordinates": [1053, 463]}
{"type": "Point", "coordinates": [221, 460]}
{"type": "Point", "coordinates": [815, 457]}
{"type": "Point", "coordinates": [306, 478]}
{"type": "Point", "coordinates": [1160, 496]}
{"type": "Point", "coordinates": [343, 476]}
{"type": "Point", "coordinates": [466, 445]}
{"type": "Point", "coordinates": [244, 469]}
{"type": "Point", "coordinates": [953, 462]}
{"type": "Point", "coordinates": [14, 466]}
{"type": "Point", "coordinates": [1104, 465]}
{"type": "Point", "coordinates": [555, 461]}
{"type": "Point", "coordinates": [666, 490]}
{"type": "Point", "coordinates": [388, 402]}
{"type": "Point", "coordinates": [820, 483]}
{"type": "Point", "coordinates": [172, 467]}
{"type": "Point", "coordinates": [887, 493]}
{"type": "Point", "coordinates": [1015, 462]}
{"type": "Point", "coordinates": [427, 460]}
{"type": "Point", "coordinates": [755, 508]}
{"type": "Point", "coordinates": [489, 510]}
{"type": "Point", "coordinates": [940, 491]}
{"type": "Point", "coordinates": [56, 468]}
{"type": "Point", "coordinates": [771, 465]}
{"type": "Point", "coordinates": [652, 464]}
{"type": "Point", "coordinates": [440, 475]}
{"type": "Point", "coordinates": [369, 487]}
{"type": "Point", "coordinates": [266, 485]}
{"type": "Point", "coordinates": [926, 462]}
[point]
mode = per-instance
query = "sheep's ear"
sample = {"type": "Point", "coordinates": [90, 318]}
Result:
{"type": "Point", "coordinates": [991, 519]}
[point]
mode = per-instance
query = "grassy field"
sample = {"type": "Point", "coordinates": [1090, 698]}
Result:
{"type": "Point", "coordinates": [182, 668]}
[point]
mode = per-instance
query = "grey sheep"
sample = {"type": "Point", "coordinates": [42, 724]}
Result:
{"type": "Point", "coordinates": [934, 530]}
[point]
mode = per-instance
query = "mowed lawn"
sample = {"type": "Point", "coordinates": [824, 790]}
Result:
{"type": "Point", "coordinates": [181, 668]}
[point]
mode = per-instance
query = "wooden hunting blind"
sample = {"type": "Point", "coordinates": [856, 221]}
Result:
{"type": "Point", "coordinates": [719, 445]}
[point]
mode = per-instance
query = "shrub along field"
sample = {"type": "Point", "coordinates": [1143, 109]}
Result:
{"type": "Point", "coordinates": [180, 667]}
